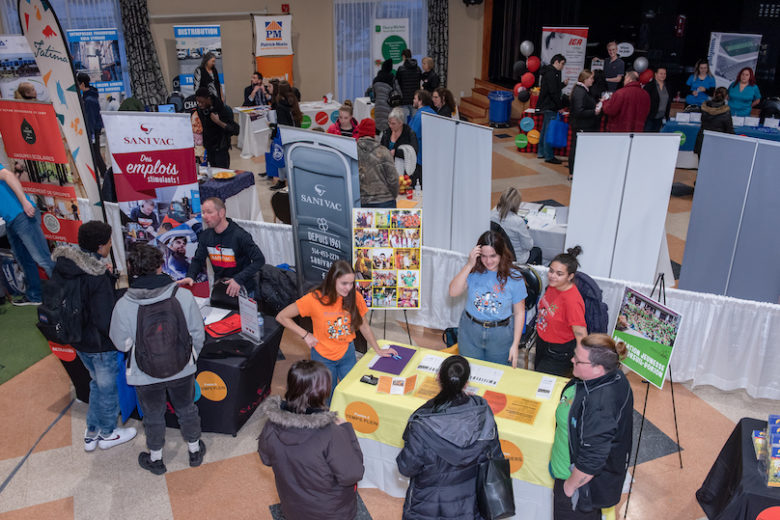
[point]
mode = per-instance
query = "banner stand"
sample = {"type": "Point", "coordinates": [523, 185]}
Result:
{"type": "Point", "coordinates": [661, 285]}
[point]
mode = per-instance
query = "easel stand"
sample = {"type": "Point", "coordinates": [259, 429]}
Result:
{"type": "Point", "coordinates": [384, 325]}
{"type": "Point", "coordinates": [661, 286]}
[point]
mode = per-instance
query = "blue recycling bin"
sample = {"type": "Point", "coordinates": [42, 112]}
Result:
{"type": "Point", "coordinates": [500, 107]}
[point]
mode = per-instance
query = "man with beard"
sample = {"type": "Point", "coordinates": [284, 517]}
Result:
{"type": "Point", "coordinates": [176, 264]}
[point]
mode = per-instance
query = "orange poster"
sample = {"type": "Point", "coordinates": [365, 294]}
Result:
{"type": "Point", "coordinates": [278, 67]}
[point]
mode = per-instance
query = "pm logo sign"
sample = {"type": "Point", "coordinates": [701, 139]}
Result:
{"type": "Point", "coordinates": [273, 31]}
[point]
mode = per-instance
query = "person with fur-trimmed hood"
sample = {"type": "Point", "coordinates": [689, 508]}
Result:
{"type": "Point", "coordinates": [96, 350]}
{"type": "Point", "coordinates": [315, 454]}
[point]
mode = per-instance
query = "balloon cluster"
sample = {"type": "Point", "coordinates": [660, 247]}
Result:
{"type": "Point", "coordinates": [524, 71]}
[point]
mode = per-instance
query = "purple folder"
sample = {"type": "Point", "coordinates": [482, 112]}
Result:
{"type": "Point", "coordinates": [394, 366]}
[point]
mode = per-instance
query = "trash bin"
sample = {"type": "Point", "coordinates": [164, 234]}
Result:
{"type": "Point", "coordinates": [500, 107]}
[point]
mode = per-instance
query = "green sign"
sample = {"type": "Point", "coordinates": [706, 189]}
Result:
{"type": "Point", "coordinates": [521, 141]}
{"type": "Point", "coordinates": [306, 121]}
{"type": "Point", "coordinates": [392, 47]}
{"type": "Point", "coordinates": [649, 331]}
{"type": "Point", "coordinates": [682, 137]}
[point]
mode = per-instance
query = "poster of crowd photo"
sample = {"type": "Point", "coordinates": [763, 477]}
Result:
{"type": "Point", "coordinates": [649, 329]}
{"type": "Point", "coordinates": [387, 256]}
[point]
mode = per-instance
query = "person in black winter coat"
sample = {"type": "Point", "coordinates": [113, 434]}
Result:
{"type": "Point", "coordinates": [398, 133]}
{"type": "Point", "coordinates": [409, 77]}
{"type": "Point", "coordinates": [86, 263]}
{"type": "Point", "coordinates": [550, 102]}
{"type": "Point", "coordinates": [430, 80]}
{"type": "Point", "coordinates": [383, 85]}
{"type": "Point", "coordinates": [444, 442]}
{"type": "Point", "coordinates": [584, 116]}
{"type": "Point", "coordinates": [715, 116]}
{"type": "Point", "coordinates": [218, 127]}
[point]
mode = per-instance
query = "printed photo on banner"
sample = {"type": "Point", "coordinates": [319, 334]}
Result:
{"type": "Point", "coordinates": [363, 265]}
{"type": "Point", "coordinates": [18, 66]}
{"type": "Point", "coordinates": [649, 330]}
{"type": "Point", "coordinates": [571, 43]}
{"type": "Point", "coordinates": [364, 287]}
{"type": "Point", "coordinates": [95, 52]}
{"type": "Point", "coordinates": [193, 42]}
{"type": "Point", "coordinates": [408, 298]}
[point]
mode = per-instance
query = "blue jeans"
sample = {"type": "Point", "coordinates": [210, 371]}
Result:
{"type": "Point", "coordinates": [30, 248]}
{"type": "Point", "coordinates": [544, 149]}
{"type": "Point", "coordinates": [339, 368]}
{"type": "Point", "coordinates": [103, 395]}
{"type": "Point", "coordinates": [388, 204]}
{"type": "Point", "coordinates": [487, 344]}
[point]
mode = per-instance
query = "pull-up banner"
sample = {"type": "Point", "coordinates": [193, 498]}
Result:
{"type": "Point", "coordinates": [571, 43]}
{"type": "Point", "coordinates": [192, 43]}
{"type": "Point", "coordinates": [273, 35]}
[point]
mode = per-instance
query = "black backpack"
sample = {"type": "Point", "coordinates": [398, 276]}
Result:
{"type": "Point", "coordinates": [278, 289]}
{"type": "Point", "coordinates": [596, 311]}
{"type": "Point", "coordinates": [59, 315]}
{"type": "Point", "coordinates": [163, 345]}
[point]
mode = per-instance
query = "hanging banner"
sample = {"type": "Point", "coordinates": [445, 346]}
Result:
{"type": "Point", "coordinates": [649, 329]}
{"type": "Point", "coordinates": [571, 42]}
{"type": "Point", "coordinates": [729, 53]}
{"type": "Point", "coordinates": [31, 136]}
{"type": "Point", "coordinates": [275, 67]}
{"type": "Point", "coordinates": [96, 53]}
{"type": "Point", "coordinates": [390, 39]}
{"type": "Point", "coordinates": [387, 256]}
{"type": "Point", "coordinates": [45, 36]}
{"type": "Point", "coordinates": [157, 187]}
{"type": "Point", "coordinates": [17, 64]}
{"type": "Point", "coordinates": [273, 35]}
{"type": "Point", "coordinates": [192, 43]}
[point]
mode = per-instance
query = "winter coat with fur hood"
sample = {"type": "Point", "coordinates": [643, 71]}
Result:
{"type": "Point", "coordinates": [715, 116]}
{"type": "Point", "coordinates": [317, 463]}
{"type": "Point", "coordinates": [97, 295]}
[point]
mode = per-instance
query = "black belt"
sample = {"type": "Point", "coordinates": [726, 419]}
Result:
{"type": "Point", "coordinates": [489, 324]}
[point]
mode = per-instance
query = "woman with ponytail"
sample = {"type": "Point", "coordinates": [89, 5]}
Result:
{"type": "Point", "coordinates": [444, 442]}
{"type": "Point", "coordinates": [593, 433]}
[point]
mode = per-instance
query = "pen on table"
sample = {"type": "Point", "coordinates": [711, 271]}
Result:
{"type": "Point", "coordinates": [396, 356]}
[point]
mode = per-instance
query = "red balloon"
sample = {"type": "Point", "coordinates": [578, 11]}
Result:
{"type": "Point", "coordinates": [533, 63]}
{"type": "Point", "coordinates": [646, 76]}
{"type": "Point", "coordinates": [528, 80]}
{"type": "Point", "coordinates": [518, 88]}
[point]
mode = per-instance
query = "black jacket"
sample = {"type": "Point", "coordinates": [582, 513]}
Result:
{"type": "Point", "coordinates": [233, 254]}
{"type": "Point", "coordinates": [715, 116]}
{"type": "Point", "coordinates": [655, 99]}
{"type": "Point", "coordinates": [284, 115]}
{"type": "Point", "coordinates": [441, 454]}
{"type": "Point", "coordinates": [214, 136]}
{"type": "Point", "coordinates": [550, 92]}
{"type": "Point", "coordinates": [583, 110]}
{"type": "Point", "coordinates": [430, 80]}
{"type": "Point", "coordinates": [409, 77]}
{"type": "Point", "coordinates": [600, 435]}
{"type": "Point", "coordinates": [407, 137]}
{"type": "Point", "coordinates": [445, 111]}
{"type": "Point", "coordinates": [262, 98]}
{"type": "Point", "coordinates": [385, 74]}
{"type": "Point", "coordinates": [97, 295]}
{"type": "Point", "coordinates": [91, 98]}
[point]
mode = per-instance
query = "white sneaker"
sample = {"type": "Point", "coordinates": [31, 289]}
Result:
{"type": "Point", "coordinates": [90, 443]}
{"type": "Point", "coordinates": [119, 436]}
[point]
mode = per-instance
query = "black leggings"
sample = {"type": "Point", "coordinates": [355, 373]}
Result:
{"type": "Point", "coordinates": [554, 358]}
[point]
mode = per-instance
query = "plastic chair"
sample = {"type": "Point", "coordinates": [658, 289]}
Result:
{"type": "Point", "coordinates": [408, 163]}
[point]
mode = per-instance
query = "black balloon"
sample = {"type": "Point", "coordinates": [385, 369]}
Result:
{"type": "Point", "coordinates": [523, 96]}
{"type": "Point", "coordinates": [519, 69]}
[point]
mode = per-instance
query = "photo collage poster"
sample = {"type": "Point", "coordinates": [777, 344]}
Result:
{"type": "Point", "coordinates": [387, 255]}
{"type": "Point", "coordinates": [36, 154]}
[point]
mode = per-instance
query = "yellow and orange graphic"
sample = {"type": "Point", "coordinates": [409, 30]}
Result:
{"type": "Point", "coordinates": [362, 417]}
{"type": "Point", "coordinates": [212, 387]}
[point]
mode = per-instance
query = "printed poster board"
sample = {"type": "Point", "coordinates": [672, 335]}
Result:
{"type": "Point", "coordinates": [18, 65]}
{"type": "Point", "coordinates": [96, 53]}
{"type": "Point", "coordinates": [649, 330]}
{"type": "Point", "coordinates": [273, 35]}
{"type": "Point", "coordinates": [387, 256]}
{"type": "Point", "coordinates": [192, 43]}
{"type": "Point", "coordinates": [390, 39]}
{"type": "Point", "coordinates": [571, 42]}
{"type": "Point", "coordinates": [729, 53]}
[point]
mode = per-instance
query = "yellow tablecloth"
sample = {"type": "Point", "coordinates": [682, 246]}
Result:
{"type": "Point", "coordinates": [382, 417]}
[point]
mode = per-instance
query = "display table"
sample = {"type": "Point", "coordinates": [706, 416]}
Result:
{"type": "Point", "coordinates": [549, 235]}
{"type": "Point", "coordinates": [380, 419]}
{"type": "Point", "coordinates": [363, 109]}
{"type": "Point", "coordinates": [239, 193]}
{"type": "Point", "coordinates": [254, 132]}
{"type": "Point", "coordinates": [317, 114]}
{"type": "Point", "coordinates": [735, 487]}
{"type": "Point", "coordinates": [232, 387]}
{"type": "Point", "coordinates": [538, 118]}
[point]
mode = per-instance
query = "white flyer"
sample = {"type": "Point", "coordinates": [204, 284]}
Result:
{"type": "Point", "coordinates": [545, 387]}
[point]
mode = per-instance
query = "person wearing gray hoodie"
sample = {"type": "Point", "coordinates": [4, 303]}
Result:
{"type": "Point", "coordinates": [149, 285]}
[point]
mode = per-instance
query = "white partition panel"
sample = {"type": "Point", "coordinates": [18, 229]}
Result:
{"type": "Point", "coordinates": [439, 175]}
{"type": "Point", "coordinates": [643, 213]}
{"type": "Point", "coordinates": [599, 170]}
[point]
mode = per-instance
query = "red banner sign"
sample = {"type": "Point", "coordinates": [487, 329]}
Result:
{"type": "Point", "coordinates": [60, 218]}
{"type": "Point", "coordinates": [143, 172]}
{"type": "Point", "coordinates": [30, 131]}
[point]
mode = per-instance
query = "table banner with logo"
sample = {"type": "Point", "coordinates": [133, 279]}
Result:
{"type": "Point", "coordinates": [192, 43]}
{"type": "Point", "coordinates": [383, 417]}
{"type": "Point", "coordinates": [571, 42]}
{"type": "Point", "coordinates": [156, 185]}
{"type": "Point", "coordinates": [387, 256]}
{"type": "Point", "coordinates": [649, 330]}
{"type": "Point", "coordinates": [273, 35]}
{"type": "Point", "coordinates": [18, 65]}
{"type": "Point", "coordinates": [46, 38]}
{"type": "Point", "coordinates": [37, 155]}
{"type": "Point", "coordinates": [96, 53]}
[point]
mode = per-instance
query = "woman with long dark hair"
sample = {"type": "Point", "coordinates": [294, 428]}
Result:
{"type": "Point", "coordinates": [743, 93]}
{"type": "Point", "coordinates": [715, 117]}
{"type": "Point", "coordinates": [492, 322]}
{"type": "Point", "coordinates": [444, 442]}
{"type": "Point", "coordinates": [505, 215]}
{"type": "Point", "coordinates": [444, 102]}
{"type": "Point", "coordinates": [561, 319]}
{"type": "Point", "coordinates": [315, 455]}
{"type": "Point", "coordinates": [336, 310]}
{"type": "Point", "coordinates": [584, 112]}
{"type": "Point", "coordinates": [207, 76]}
{"type": "Point", "coordinates": [288, 112]}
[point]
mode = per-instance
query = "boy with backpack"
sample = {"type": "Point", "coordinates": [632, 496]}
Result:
{"type": "Point", "coordinates": [161, 327]}
{"type": "Point", "coordinates": [76, 310]}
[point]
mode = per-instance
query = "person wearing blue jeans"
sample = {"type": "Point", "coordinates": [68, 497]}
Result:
{"type": "Point", "coordinates": [550, 102]}
{"type": "Point", "coordinates": [23, 226]}
{"type": "Point", "coordinates": [339, 368]}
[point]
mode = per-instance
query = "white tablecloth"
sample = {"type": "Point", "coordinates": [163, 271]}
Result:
{"type": "Point", "coordinates": [548, 235]}
{"type": "Point", "coordinates": [253, 136]}
{"type": "Point", "coordinates": [317, 114]}
{"type": "Point", "coordinates": [363, 108]}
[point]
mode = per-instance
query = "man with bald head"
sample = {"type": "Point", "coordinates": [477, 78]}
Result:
{"type": "Point", "coordinates": [627, 109]}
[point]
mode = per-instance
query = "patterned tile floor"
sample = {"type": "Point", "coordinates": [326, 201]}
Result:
{"type": "Point", "coordinates": [61, 481]}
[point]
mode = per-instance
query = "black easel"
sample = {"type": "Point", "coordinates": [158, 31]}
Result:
{"type": "Point", "coordinates": [661, 286]}
{"type": "Point", "coordinates": [384, 325]}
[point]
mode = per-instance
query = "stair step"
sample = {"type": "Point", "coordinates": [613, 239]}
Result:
{"type": "Point", "coordinates": [476, 101]}
{"type": "Point", "coordinates": [481, 83]}
{"type": "Point", "coordinates": [472, 112]}
{"type": "Point", "coordinates": [481, 94]}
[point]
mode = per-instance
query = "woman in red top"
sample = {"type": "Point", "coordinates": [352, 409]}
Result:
{"type": "Point", "coordinates": [336, 310]}
{"type": "Point", "coordinates": [346, 124]}
{"type": "Point", "coordinates": [561, 320]}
